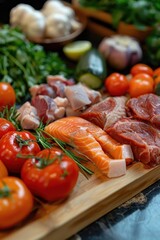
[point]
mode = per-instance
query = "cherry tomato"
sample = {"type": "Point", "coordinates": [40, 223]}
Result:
{"type": "Point", "coordinates": [116, 84]}
{"type": "Point", "coordinates": [13, 143]}
{"type": "Point", "coordinates": [51, 175]}
{"type": "Point", "coordinates": [16, 202]}
{"type": "Point", "coordinates": [157, 85]}
{"type": "Point", "coordinates": [141, 84]}
{"type": "Point", "coordinates": [141, 68]}
{"type": "Point", "coordinates": [156, 72]}
{"type": "Point", "coordinates": [7, 95]}
{"type": "Point", "coordinates": [3, 170]}
{"type": "Point", "coordinates": [5, 126]}
{"type": "Point", "coordinates": [156, 77]}
{"type": "Point", "coordinates": [156, 80]}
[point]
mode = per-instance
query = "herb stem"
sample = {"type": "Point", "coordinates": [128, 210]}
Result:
{"type": "Point", "coordinates": [70, 154]}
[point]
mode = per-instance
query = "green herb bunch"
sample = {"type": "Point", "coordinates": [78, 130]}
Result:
{"type": "Point", "coordinates": [152, 48]}
{"type": "Point", "coordinates": [24, 64]}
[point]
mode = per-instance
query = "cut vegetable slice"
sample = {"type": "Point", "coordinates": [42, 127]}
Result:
{"type": "Point", "coordinates": [90, 80]}
{"type": "Point", "coordinates": [76, 49]}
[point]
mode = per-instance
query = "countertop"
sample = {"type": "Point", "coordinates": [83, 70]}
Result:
{"type": "Point", "coordinates": [138, 218]}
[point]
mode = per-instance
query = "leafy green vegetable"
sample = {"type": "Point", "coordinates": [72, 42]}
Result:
{"type": "Point", "coordinates": [24, 64]}
{"type": "Point", "coordinates": [140, 13]}
{"type": "Point", "coordinates": [152, 47]}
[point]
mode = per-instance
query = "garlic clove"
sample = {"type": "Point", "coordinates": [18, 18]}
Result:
{"type": "Point", "coordinates": [57, 25]}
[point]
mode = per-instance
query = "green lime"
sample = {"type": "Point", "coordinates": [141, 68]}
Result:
{"type": "Point", "coordinates": [76, 49]}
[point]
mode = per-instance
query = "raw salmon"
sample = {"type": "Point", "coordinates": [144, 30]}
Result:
{"type": "Point", "coordinates": [90, 140]}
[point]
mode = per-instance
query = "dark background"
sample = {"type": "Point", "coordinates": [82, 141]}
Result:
{"type": "Point", "coordinates": [7, 5]}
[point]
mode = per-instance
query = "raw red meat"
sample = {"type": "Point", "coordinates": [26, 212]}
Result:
{"type": "Point", "coordinates": [46, 108]}
{"type": "Point", "coordinates": [146, 107]}
{"type": "Point", "coordinates": [107, 112]}
{"type": "Point", "coordinates": [42, 89]}
{"type": "Point", "coordinates": [143, 138]}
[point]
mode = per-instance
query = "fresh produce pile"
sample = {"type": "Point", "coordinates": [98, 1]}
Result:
{"type": "Point", "coordinates": [31, 165]}
{"type": "Point", "coordinates": [140, 13]}
{"type": "Point", "coordinates": [23, 64]}
{"type": "Point", "coordinates": [54, 20]}
{"type": "Point", "coordinates": [42, 160]}
{"type": "Point", "coordinates": [141, 80]}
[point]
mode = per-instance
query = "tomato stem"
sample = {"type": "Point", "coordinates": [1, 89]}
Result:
{"type": "Point", "coordinates": [41, 162]}
{"type": "Point", "coordinates": [5, 191]}
{"type": "Point", "coordinates": [23, 142]}
{"type": "Point", "coordinates": [70, 154]}
{"type": "Point", "coordinates": [46, 141]}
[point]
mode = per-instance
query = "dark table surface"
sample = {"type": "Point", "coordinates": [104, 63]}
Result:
{"type": "Point", "coordinates": [136, 219]}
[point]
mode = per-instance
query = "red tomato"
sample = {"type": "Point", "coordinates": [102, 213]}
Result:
{"type": "Point", "coordinates": [7, 95]}
{"type": "Point", "coordinates": [5, 126]}
{"type": "Point", "coordinates": [156, 72]}
{"type": "Point", "coordinates": [51, 175]}
{"type": "Point", "coordinates": [13, 143]}
{"type": "Point", "coordinates": [116, 84]}
{"type": "Point", "coordinates": [141, 84]}
{"type": "Point", "coordinates": [3, 170]}
{"type": "Point", "coordinates": [156, 77]}
{"type": "Point", "coordinates": [16, 202]}
{"type": "Point", "coordinates": [156, 80]}
{"type": "Point", "coordinates": [141, 68]}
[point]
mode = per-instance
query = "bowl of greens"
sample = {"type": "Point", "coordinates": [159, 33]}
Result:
{"type": "Point", "coordinates": [134, 18]}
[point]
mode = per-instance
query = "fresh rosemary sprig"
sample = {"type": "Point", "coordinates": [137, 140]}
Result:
{"type": "Point", "coordinates": [11, 115]}
{"type": "Point", "coordinates": [41, 139]}
{"type": "Point", "coordinates": [70, 154]}
{"type": "Point", "coordinates": [46, 141]}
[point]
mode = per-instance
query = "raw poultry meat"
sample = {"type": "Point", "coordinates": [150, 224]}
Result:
{"type": "Point", "coordinates": [27, 115]}
{"type": "Point", "coordinates": [80, 97]}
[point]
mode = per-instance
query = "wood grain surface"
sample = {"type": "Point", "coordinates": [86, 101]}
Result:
{"type": "Point", "coordinates": [91, 199]}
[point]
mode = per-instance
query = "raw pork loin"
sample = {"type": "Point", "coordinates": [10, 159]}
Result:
{"type": "Point", "coordinates": [143, 138]}
{"type": "Point", "coordinates": [145, 107]}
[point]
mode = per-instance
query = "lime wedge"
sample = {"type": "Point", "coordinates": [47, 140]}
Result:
{"type": "Point", "coordinates": [76, 49]}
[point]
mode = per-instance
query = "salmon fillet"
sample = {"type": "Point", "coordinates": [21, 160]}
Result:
{"type": "Point", "coordinates": [85, 138]}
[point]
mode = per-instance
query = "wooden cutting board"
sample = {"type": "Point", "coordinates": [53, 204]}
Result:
{"type": "Point", "coordinates": [91, 199]}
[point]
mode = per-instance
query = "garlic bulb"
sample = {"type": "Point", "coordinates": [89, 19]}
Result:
{"type": "Point", "coordinates": [33, 24]}
{"type": "Point", "coordinates": [57, 25]}
{"type": "Point", "coordinates": [54, 20]}
{"type": "Point", "coordinates": [75, 25]}
{"type": "Point", "coordinates": [55, 6]}
{"type": "Point", "coordinates": [17, 13]}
